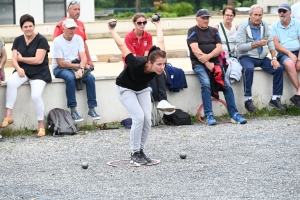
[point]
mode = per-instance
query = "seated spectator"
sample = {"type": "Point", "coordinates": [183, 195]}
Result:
{"type": "Point", "coordinates": [73, 10]}
{"type": "Point", "coordinates": [30, 60]}
{"type": "Point", "coordinates": [286, 34]}
{"type": "Point", "coordinates": [252, 37]}
{"type": "Point", "coordinates": [3, 57]}
{"type": "Point", "coordinates": [227, 31]}
{"type": "Point", "coordinates": [205, 46]}
{"type": "Point", "coordinates": [139, 42]}
{"type": "Point", "coordinates": [66, 48]}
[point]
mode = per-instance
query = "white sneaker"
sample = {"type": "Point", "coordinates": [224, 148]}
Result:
{"type": "Point", "coordinates": [163, 105]}
{"type": "Point", "coordinates": [169, 113]}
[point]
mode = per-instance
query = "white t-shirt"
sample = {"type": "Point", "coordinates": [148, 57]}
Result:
{"type": "Point", "coordinates": [231, 36]}
{"type": "Point", "coordinates": [68, 50]}
{"type": "Point", "coordinates": [296, 11]}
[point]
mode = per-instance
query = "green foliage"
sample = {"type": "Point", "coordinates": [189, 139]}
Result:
{"type": "Point", "coordinates": [168, 14]}
{"type": "Point", "coordinates": [181, 9]}
{"type": "Point", "coordinates": [194, 118]}
{"type": "Point", "coordinates": [91, 127]}
{"type": "Point", "coordinates": [104, 4]}
{"type": "Point", "coordinates": [159, 6]}
{"type": "Point", "coordinates": [238, 4]}
{"type": "Point", "coordinates": [8, 132]}
{"type": "Point", "coordinates": [247, 3]}
{"type": "Point", "coordinates": [124, 15]}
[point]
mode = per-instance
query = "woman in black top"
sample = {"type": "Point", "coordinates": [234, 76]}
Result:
{"type": "Point", "coordinates": [133, 92]}
{"type": "Point", "coordinates": [30, 60]}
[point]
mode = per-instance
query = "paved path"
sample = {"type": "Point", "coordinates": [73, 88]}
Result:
{"type": "Point", "coordinates": [258, 160]}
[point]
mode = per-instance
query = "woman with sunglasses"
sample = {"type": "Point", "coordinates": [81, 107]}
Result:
{"type": "Point", "coordinates": [139, 42]}
{"type": "Point", "coordinates": [30, 60]}
{"type": "Point", "coordinates": [133, 91]}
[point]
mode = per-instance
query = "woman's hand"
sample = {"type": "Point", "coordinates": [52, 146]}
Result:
{"type": "Point", "coordinates": [19, 57]}
{"type": "Point", "coordinates": [21, 72]}
{"type": "Point", "coordinates": [112, 24]}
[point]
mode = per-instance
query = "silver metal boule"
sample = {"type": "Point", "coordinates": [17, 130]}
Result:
{"type": "Point", "coordinates": [84, 165]}
{"type": "Point", "coordinates": [112, 24]}
{"type": "Point", "coordinates": [182, 155]}
{"type": "Point", "coordinates": [155, 18]}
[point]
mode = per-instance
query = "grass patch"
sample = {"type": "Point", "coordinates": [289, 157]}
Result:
{"type": "Point", "coordinates": [8, 132]}
{"type": "Point", "coordinates": [263, 112]}
{"type": "Point", "coordinates": [91, 127]}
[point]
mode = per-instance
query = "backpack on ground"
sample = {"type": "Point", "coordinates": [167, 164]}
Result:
{"type": "Point", "coordinates": [60, 122]}
{"type": "Point", "coordinates": [179, 117]}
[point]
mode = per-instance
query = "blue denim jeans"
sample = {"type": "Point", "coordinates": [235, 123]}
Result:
{"type": "Point", "coordinates": [201, 72]}
{"type": "Point", "coordinates": [249, 64]}
{"type": "Point", "coordinates": [68, 76]}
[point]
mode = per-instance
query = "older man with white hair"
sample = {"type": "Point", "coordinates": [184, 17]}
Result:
{"type": "Point", "coordinates": [253, 36]}
{"type": "Point", "coordinates": [66, 48]}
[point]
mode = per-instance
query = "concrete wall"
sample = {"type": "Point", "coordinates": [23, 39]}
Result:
{"type": "Point", "coordinates": [110, 109]}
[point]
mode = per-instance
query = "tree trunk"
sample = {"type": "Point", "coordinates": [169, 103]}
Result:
{"type": "Point", "coordinates": [138, 6]}
{"type": "Point", "coordinates": [231, 3]}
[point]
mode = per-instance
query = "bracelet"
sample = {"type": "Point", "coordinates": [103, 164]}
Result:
{"type": "Point", "coordinates": [274, 58]}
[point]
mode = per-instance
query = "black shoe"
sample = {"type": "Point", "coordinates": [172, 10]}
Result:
{"type": "Point", "coordinates": [137, 158]}
{"type": "Point", "coordinates": [144, 156]}
{"type": "Point", "coordinates": [296, 100]}
{"type": "Point", "coordinates": [249, 106]}
{"type": "Point", "coordinates": [277, 104]}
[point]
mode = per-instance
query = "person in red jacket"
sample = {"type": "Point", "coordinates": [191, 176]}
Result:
{"type": "Point", "coordinates": [139, 42]}
{"type": "Point", "coordinates": [73, 9]}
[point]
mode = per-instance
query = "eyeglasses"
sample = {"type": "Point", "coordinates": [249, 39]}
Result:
{"type": "Point", "coordinates": [229, 16]}
{"type": "Point", "coordinates": [73, 3]}
{"type": "Point", "coordinates": [282, 11]}
{"type": "Point", "coordinates": [140, 23]}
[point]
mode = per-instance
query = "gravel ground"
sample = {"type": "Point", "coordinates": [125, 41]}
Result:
{"type": "Point", "coordinates": [258, 160]}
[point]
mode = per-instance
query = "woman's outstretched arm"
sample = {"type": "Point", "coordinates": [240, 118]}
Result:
{"type": "Point", "coordinates": [160, 35]}
{"type": "Point", "coordinates": [125, 51]}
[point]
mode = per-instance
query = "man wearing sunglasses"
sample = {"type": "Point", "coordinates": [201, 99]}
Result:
{"type": "Point", "coordinates": [73, 9]}
{"type": "Point", "coordinates": [286, 36]}
{"type": "Point", "coordinates": [253, 36]}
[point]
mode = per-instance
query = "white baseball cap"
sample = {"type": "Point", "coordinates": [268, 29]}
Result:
{"type": "Point", "coordinates": [69, 23]}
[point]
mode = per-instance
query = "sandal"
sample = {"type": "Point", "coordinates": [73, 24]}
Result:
{"type": "Point", "coordinates": [7, 121]}
{"type": "Point", "coordinates": [41, 132]}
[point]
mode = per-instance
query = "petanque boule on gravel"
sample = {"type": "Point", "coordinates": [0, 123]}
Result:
{"type": "Point", "coordinates": [183, 155]}
{"type": "Point", "coordinates": [112, 24]}
{"type": "Point", "coordinates": [84, 165]}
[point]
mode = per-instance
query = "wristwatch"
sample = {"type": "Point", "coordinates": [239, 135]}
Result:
{"type": "Point", "coordinates": [274, 58]}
